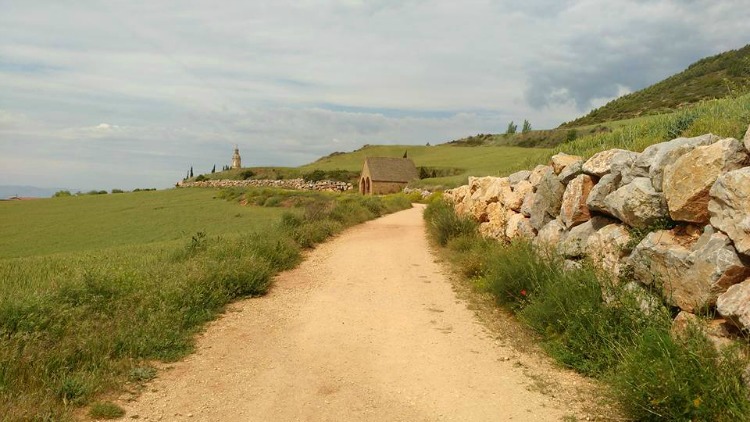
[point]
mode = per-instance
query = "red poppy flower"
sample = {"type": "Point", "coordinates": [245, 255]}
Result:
{"type": "Point", "coordinates": [523, 292]}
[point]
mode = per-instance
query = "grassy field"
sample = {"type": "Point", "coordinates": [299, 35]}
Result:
{"type": "Point", "coordinates": [92, 222]}
{"type": "Point", "coordinates": [81, 315]}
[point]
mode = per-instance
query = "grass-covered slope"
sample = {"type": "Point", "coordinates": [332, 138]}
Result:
{"type": "Point", "coordinates": [718, 76]}
{"type": "Point", "coordinates": [728, 117]}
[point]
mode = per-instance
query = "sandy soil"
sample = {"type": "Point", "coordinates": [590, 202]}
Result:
{"type": "Point", "coordinates": [368, 328]}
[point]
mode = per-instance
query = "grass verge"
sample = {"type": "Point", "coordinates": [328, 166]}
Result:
{"type": "Point", "coordinates": [600, 329]}
{"type": "Point", "coordinates": [76, 325]}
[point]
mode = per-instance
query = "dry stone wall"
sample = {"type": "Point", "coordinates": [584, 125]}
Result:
{"type": "Point", "coordinates": [297, 184]}
{"type": "Point", "coordinates": [595, 208]}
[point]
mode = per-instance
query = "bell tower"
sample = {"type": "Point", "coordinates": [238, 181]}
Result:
{"type": "Point", "coordinates": [236, 160]}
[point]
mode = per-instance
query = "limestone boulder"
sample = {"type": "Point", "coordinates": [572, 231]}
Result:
{"type": "Point", "coordinates": [528, 203]}
{"type": "Point", "coordinates": [519, 176]}
{"type": "Point", "coordinates": [514, 200]}
{"type": "Point", "coordinates": [550, 235]}
{"type": "Point", "coordinates": [497, 220]}
{"type": "Point", "coordinates": [537, 174]}
{"type": "Point", "coordinates": [547, 199]}
{"type": "Point", "coordinates": [496, 189]}
{"type": "Point", "coordinates": [734, 304]}
{"type": "Point", "coordinates": [622, 165]}
{"type": "Point", "coordinates": [655, 157]}
{"type": "Point", "coordinates": [637, 204]}
{"type": "Point", "coordinates": [690, 273]}
{"type": "Point", "coordinates": [688, 180]}
{"type": "Point", "coordinates": [606, 185]}
{"type": "Point", "coordinates": [608, 247]}
{"type": "Point", "coordinates": [573, 245]}
{"type": "Point", "coordinates": [601, 162]}
{"type": "Point", "coordinates": [660, 257]}
{"type": "Point", "coordinates": [570, 172]}
{"type": "Point", "coordinates": [561, 160]}
{"type": "Point", "coordinates": [716, 331]}
{"type": "Point", "coordinates": [729, 207]}
{"type": "Point", "coordinates": [746, 139]}
{"type": "Point", "coordinates": [573, 210]}
{"type": "Point", "coordinates": [519, 226]}
{"type": "Point", "coordinates": [714, 266]}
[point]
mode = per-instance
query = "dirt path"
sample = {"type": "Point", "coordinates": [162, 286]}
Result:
{"type": "Point", "coordinates": [368, 328]}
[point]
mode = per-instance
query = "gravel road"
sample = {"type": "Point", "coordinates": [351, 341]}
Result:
{"type": "Point", "coordinates": [367, 328]}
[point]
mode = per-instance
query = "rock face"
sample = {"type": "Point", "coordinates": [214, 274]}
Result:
{"type": "Point", "coordinates": [608, 247]}
{"type": "Point", "coordinates": [652, 161]}
{"type": "Point", "coordinates": [550, 235]}
{"type": "Point", "coordinates": [519, 176]}
{"type": "Point", "coordinates": [607, 184]}
{"type": "Point", "coordinates": [729, 207]}
{"type": "Point", "coordinates": [573, 210]}
{"type": "Point", "coordinates": [734, 304]}
{"type": "Point", "coordinates": [562, 160]}
{"type": "Point", "coordinates": [573, 245]}
{"type": "Point", "coordinates": [688, 180]}
{"type": "Point", "coordinates": [515, 199]}
{"type": "Point", "coordinates": [622, 166]}
{"type": "Point", "coordinates": [570, 172]}
{"type": "Point", "coordinates": [691, 274]}
{"type": "Point", "coordinates": [519, 226]}
{"type": "Point", "coordinates": [746, 139]}
{"type": "Point", "coordinates": [637, 204]}
{"type": "Point", "coordinates": [601, 163]}
{"type": "Point", "coordinates": [547, 199]}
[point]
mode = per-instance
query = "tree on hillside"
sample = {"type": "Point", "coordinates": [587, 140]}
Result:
{"type": "Point", "coordinates": [512, 127]}
{"type": "Point", "coordinates": [191, 171]}
{"type": "Point", "coordinates": [213, 170]}
{"type": "Point", "coordinates": [526, 126]}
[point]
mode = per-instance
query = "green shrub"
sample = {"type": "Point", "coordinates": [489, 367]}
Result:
{"type": "Point", "coordinates": [62, 194]}
{"type": "Point", "coordinates": [663, 378]}
{"type": "Point", "coordinates": [445, 224]}
{"type": "Point", "coordinates": [118, 191]}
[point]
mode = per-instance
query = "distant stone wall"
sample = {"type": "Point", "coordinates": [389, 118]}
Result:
{"type": "Point", "coordinates": [691, 194]}
{"type": "Point", "coordinates": [297, 184]}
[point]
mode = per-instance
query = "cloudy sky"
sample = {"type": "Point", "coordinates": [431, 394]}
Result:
{"type": "Point", "coordinates": [124, 94]}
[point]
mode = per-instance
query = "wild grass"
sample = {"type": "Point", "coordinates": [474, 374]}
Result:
{"type": "Point", "coordinates": [655, 376]}
{"type": "Point", "coordinates": [75, 325]}
{"type": "Point", "coordinates": [727, 117]}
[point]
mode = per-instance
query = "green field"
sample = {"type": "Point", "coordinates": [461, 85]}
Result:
{"type": "Point", "coordinates": [92, 222]}
{"type": "Point", "coordinates": [93, 288]}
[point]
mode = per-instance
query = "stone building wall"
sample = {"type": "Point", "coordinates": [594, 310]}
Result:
{"type": "Point", "coordinates": [692, 196]}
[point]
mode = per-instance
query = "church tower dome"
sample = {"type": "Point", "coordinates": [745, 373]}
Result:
{"type": "Point", "coordinates": [236, 160]}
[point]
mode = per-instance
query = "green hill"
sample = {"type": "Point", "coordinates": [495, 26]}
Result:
{"type": "Point", "coordinates": [714, 77]}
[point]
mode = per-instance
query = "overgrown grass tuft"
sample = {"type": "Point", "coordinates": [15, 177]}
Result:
{"type": "Point", "coordinates": [598, 328]}
{"type": "Point", "coordinates": [444, 224]}
{"type": "Point", "coordinates": [106, 410]}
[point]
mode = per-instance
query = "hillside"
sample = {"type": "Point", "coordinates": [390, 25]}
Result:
{"type": "Point", "coordinates": [440, 166]}
{"type": "Point", "coordinates": [713, 77]}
